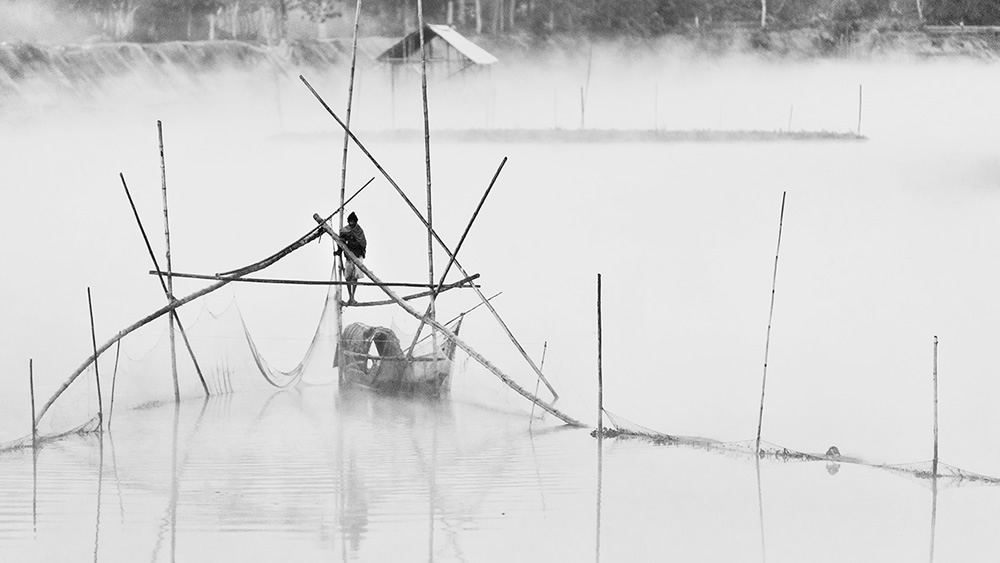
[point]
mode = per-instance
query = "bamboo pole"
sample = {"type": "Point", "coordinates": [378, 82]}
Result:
{"type": "Point", "coordinates": [168, 291]}
{"type": "Point", "coordinates": [935, 463]}
{"type": "Point", "coordinates": [462, 314]}
{"type": "Point", "coordinates": [860, 100]}
{"type": "Point", "coordinates": [416, 212]}
{"type": "Point", "coordinates": [600, 361]}
{"type": "Point", "coordinates": [318, 282]}
{"type": "Point", "coordinates": [97, 372]}
{"type": "Point", "coordinates": [169, 287]}
{"type": "Point", "coordinates": [236, 274]}
{"type": "Point", "coordinates": [432, 302]}
{"type": "Point", "coordinates": [770, 316]}
{"type": "Point", "coordinates": [538, 381]}
{"type": "Point", "coordinates": [413, 296]}
{"type": "Point", "coordinates": [114, 380]}
{"type": "Point", "coordinates": [449, 334]}
{"type": "Point", "coordinates": [461, 241]}
{"type": "Point", "coordinates": [31, 388]}
{"type": "Point", "coordinates": [343, 180]}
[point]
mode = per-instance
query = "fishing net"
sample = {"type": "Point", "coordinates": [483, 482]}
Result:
{"type": "Point", "coordinates": [923, 472]}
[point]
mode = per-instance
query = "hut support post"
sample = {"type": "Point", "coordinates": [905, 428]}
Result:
{"type": "Point", "coordinates": [165, 284]}
{"type": "Point", "coordinates": [447, 333]}
{"type": "Point", "coordinates": [770, 316]}
{"type": "Point", "coordinates": [416, 212]}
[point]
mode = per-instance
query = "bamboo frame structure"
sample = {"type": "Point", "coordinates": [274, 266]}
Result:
{"type": "Point", "coordinates": [449, 334]}
{"type": "Point", "coordinates": [305, 239]}
{"type": "Point", "coordinates": [461, 241]}
{"type": "Point", "coordinates": [168, 291]}
{"type": "Point", "coordinates": [416, 212]}
{"type": "Point", "coordinates": [459, 284]}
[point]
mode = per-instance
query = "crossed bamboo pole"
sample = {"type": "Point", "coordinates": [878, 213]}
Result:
{"type": "Point", "coordinates": [234, 275]}
{"type": "Point", "coordinates": [433, 233]}
{"type": "Point", "coordinates": [447, 333]}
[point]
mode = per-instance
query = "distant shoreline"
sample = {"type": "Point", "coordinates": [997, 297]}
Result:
{"type": "Point", "coordinates": [591, 135]}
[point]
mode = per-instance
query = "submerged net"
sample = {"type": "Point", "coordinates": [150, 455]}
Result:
{"type": "Point", "coordinates": [923, 471]}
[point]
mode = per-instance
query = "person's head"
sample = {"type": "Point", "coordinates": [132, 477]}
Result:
{"type": "Point", "coordinates": [352, 218]}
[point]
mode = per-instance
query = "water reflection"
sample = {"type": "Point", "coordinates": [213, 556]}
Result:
{"type": "Point", "coordinates": [600, 470]}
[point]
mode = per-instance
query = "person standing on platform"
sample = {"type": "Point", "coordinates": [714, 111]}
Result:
{"type": "Point", "coordinates": [354, 238]}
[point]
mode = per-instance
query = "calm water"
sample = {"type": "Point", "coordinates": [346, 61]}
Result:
{"type": "Point", "coordinates": [886, 243]}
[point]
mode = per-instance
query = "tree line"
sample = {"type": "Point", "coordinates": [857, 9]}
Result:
{"type": "Point", "coordinates": [268, 20]}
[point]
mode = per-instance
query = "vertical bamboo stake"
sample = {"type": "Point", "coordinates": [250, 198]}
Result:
{"type": "Point", "coordinates": [791, 109]}
{"type": "Point", "coordinates": [935, 463]}
{"type": "Point", "coordinates": [860, 100]}
{"type": "Point", "coordinates": [600, 373]}
{"type": "Point", "coordinates": [114, 379]}
{"type": "Point", "coordinates": [343, 188]}
{"type": "Point", "coordinates": [427, 165]}
{"type": "Point", "coordinates": [656, 107]}
{"type": "Point", "coordinates": [770, 316]}
{"type": "Point", "coordinates": [583, 108]}
{"type": "Point", "coordinates": [31, 388]}
{"type": "Point", "coordinates": [97, 373]}
{"type": "Point", "coordinates": [170, 279]}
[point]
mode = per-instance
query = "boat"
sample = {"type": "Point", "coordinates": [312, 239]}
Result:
{"type": "Point", "coordinates": [374, 359]}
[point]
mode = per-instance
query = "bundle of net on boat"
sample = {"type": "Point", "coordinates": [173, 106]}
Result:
{"type": "Point", "coordinates": [942, 474]}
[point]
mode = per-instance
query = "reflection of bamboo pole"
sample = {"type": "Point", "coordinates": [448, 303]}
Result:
{"type": "Point", "coordinates": [935, 468]}
{"type": "Point", "coordinates": [770, 316]}
{"type": "Point", "coordinates": [416, 212]}
{"type": "Point", "coordinates": [169, 287]}
{"type": "Point", "coordinates": [600, 360]}
{"type": "Point", "coordinates": [165, 284]}
{"type": "Point", "coordinates": [97, 373]}
{"type": "Point", "coordinates": [447, 333]}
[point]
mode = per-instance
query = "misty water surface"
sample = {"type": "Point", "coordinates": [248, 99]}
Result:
{"type": "Point", "coordinates": [886, 243]}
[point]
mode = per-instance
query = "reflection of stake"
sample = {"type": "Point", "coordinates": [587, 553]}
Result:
{"type": "Point", "coordinates": [168, 293]}
{"type": "Point", "coordinates": [447, 333]}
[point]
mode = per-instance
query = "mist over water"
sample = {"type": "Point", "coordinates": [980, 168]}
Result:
{"type": "Point", "coordinates": [885, 243]}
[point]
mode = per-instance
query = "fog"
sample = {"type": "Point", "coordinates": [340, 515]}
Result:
{"type": "Point", "coordinates": [886, 242]}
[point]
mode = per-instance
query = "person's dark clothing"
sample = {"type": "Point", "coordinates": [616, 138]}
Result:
{"type": "Point", "coordinates": [354, 238]}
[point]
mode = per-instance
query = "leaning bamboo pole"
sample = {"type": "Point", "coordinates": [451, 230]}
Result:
{"type": "Point", "coordinates": [458, 247]}
{"type": "Point", "coordinates": [444, 246]}
{"type": "Point", "coordinates": [770, 317]}
{"type": "Point", "coordinates": [97, 372]}
{"type": "Point", "coordinates": [167, 286]}
{"type": "Point", "coordinates": [277, 281]}
{"type": "Point", "coordinates": [235, 274]}
{"type": "Point", "coordinates": [449, 334]}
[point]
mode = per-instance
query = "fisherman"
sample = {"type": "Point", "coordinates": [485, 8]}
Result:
{"type": "Point", "coordinates": [354, 238]}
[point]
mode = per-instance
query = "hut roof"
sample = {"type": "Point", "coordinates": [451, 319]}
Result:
{"type": "Point", "coordinates": [408, 48]}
